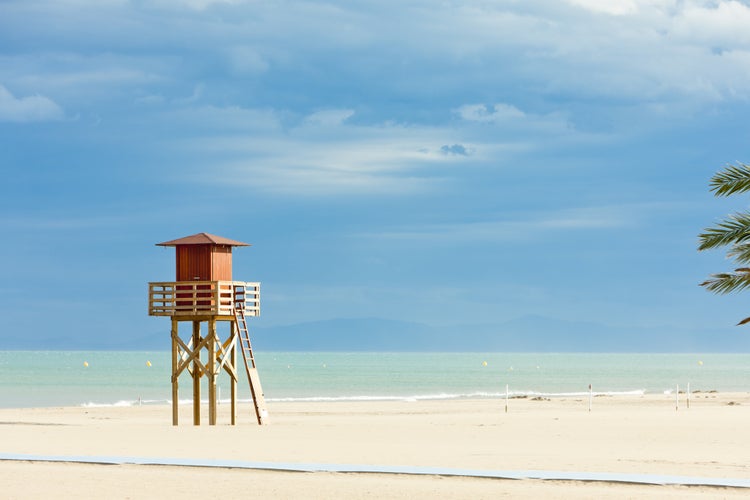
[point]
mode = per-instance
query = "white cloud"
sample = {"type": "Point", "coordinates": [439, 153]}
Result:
{"type": "Point", "coordinates": [246, 60]}
{"type": "Point", "coordinates": [301, 165]}
{"type": "Point", "coordinates": [321, 154]}
{"type": "Point", "coordinates": [34, 108]}
{"type": "Point", "coordinates": [92, 3]}
{"type": "Point", "coordinates": [490, 112]}
{"type": "Point", "coordinates": [652, 51]}
{"type": "Point", "coordinates": [150, 99]}
{"type": "Point", "coordinates": [612, 7]}
{"type": "Point", "coordinates": [194, 4]}
{"type": "Point", "coordinates": [219, 125]}
{"type": "Point", "coordinates": [722, 25]}
{"type": "Point", "coordinates": [643, 51]}
{"type": "Point", "coordinates": [514, 123]}
{"type": "Point", "coordinates": [326, 152]}
{"type": "Point", "coordinates": [198, 90]}
{"type": "Point", "coordinates": [330, 117]}
{"type": "Point", "coordinates": [522, 227]}
{"type": "Point", "coordinates": [111, 81]}
{"type": "Point", "coordinates": [314, 180]}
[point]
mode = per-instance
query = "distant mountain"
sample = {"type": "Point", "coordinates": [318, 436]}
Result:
{"type": "Point", "coordinates": [156, 341]}
{"type": "Point", "coordinates": [525, 334]}
{"type": "Point", "coordinates": [346, 334]}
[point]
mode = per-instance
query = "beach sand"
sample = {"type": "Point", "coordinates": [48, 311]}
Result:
{"type": "Point", "coordinates": [624, 434]}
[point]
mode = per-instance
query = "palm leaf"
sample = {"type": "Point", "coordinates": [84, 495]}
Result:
{"type": "Point", "coordinates": [733, 179]}
{"type": "Point", "coordinates": [733, 230]}
{"type": "Point", "coordinates": [740, 253]}
{"type": "Point", "coordinates": [728, 282]}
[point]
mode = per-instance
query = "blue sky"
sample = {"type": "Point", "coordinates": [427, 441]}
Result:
{"type": "Point", "coordinates": [452, 162]}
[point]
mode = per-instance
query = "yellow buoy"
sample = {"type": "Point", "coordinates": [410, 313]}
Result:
{"type": "Point", "coordinates": [700, 363]}
{"type": "Point", "coordinates": [85, 364]}
{"type": "Point", "coordinates": [484, 363]}
{"type": "Point", "coordinates": [148, 363]}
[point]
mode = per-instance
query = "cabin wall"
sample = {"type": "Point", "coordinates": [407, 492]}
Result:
{"type": "Point", "coordinates": [193, 262]}
{"type": "Point", "coordinates": [203, 263]}
{"type": "Point", "coordinates": [221, 263]}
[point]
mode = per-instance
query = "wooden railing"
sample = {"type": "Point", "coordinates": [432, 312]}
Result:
{"type": "Point", "coordinates": [203, 298]}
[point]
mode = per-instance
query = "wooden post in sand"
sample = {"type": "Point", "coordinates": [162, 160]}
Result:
{"type": "Point", "coordinates": [233, 386]}
{"type": "Point", "coordinates": [677, 398]}
{"type": "Point", "coordinates": [212, 371]}
{"type": "Point", "coordinates": [175, 357]}
{"type": "Point", "coordinates": [196, 373]}
{"type": "Point", "coordinates": [591, 396]}
{"type": "Point", "coordinates": [204, 292]}
{"type": "Point", "coordinates": [506, 398]}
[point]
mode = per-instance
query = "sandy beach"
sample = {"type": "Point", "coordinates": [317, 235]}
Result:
{"type": "Point", "coordinates": [624, 434]}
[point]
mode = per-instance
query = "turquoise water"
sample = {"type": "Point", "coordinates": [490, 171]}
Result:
{"type": "Point", "coordinates": [54, 378]}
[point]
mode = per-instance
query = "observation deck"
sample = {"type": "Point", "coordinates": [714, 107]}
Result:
{"type": "Point", "coordinates": [202, 299]}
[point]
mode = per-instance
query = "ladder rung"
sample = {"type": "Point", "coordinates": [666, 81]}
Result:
{"type": "Point", "coordinates": [247, 356]}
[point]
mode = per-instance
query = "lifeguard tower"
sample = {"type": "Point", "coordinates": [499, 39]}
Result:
{"type": "Point", "coordinates": [204, 292]}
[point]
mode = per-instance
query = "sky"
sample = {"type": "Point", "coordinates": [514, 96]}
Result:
{"type": "Point", "coordinates": [434, 162]}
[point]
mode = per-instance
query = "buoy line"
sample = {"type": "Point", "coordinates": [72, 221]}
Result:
{"type": "Point", "coordinates": [607, 477]}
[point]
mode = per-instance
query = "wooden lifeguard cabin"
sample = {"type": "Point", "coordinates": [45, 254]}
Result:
{"type": "Point", "coordinates": [204, 292]}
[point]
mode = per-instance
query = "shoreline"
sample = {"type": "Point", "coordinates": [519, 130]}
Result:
{"type": "Point", "coordinates": [517, 395]}
{"type": "Point", "coordinates": [636, 435]}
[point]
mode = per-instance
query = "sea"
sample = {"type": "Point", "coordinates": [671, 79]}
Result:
{"type": "Point", "coordinates": [127, 378]}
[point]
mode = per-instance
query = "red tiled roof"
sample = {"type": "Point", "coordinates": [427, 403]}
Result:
{"type": "Point", "coordinates": [203, 239]}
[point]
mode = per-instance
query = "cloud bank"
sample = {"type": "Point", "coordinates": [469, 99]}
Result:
{"type": "Point", "coordinates": [34, 108]}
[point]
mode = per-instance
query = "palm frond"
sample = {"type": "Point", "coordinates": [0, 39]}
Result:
{"type": "Point", "coordinates": [733, 179]}
{"type": "Point", "coordinates": [727, 282]}
{"type": "Point", "coordinates": [735, 229]}
{"type": "Point", "coordinates": [740, 253]}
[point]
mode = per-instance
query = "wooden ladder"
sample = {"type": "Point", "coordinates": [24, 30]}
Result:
{"type": "Point", "coordinates": [247, 355]}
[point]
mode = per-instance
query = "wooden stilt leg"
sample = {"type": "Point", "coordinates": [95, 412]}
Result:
{"type": "Point", "coordinates": [233, 380]}
{"type": "Point", "coordinates": [175, 391]}
{"type": "Point", "coordinates": [211, 366]}
{"type": "Point", "coordinates": [196, 376]}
